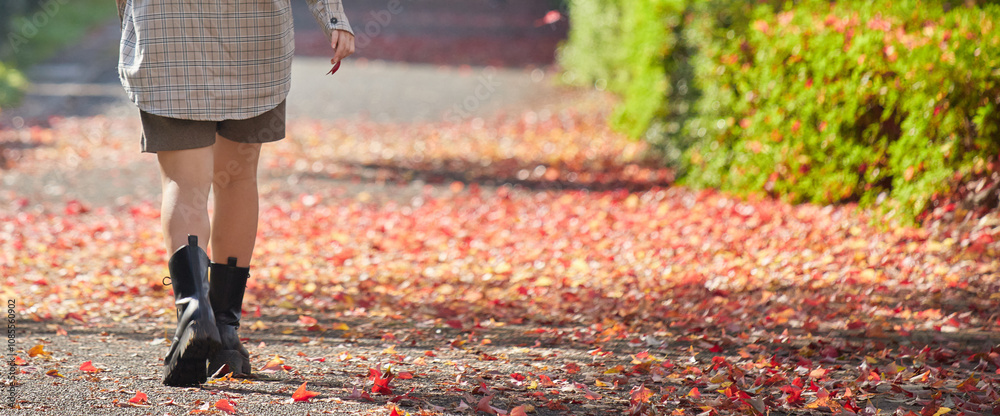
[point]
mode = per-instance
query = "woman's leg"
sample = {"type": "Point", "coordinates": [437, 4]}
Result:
{"type": "Point", "coordinates": [234, 221]}
{"type": "Point", "coordinates": [187, 181]}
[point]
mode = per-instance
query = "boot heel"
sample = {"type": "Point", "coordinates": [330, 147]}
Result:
{"type": "Point", "coordinates": [185, 373]}
{"type": "Point", "coordinates": [199, 342]}
{"type": "Point", "coordinates": [238, 364]}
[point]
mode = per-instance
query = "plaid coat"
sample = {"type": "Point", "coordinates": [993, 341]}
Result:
{"type": "Point", "coordinates": [212, 60]}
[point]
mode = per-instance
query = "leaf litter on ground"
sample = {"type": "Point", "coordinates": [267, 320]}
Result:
{"type": "Point", "coordinates": [533, 261]}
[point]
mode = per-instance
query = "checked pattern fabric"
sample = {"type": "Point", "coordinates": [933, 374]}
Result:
{"type": "Point", "coordinates": [212, 60]}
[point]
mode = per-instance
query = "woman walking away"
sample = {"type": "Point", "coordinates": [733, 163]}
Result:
{"type": "Point", "coordinates": [210, 79]}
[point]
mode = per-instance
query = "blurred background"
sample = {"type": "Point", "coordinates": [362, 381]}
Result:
{"type": "Point", "coordinates": [890, 104]}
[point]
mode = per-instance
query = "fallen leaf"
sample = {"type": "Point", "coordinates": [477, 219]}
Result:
{"type": "Point", "coordinates": [225, 406]}
{"type": "Point", "coordinates": [88, 367]}
{"type": "Point", "coordinates": [38, 350]}
{"type": "Point", "coordinates": [139, 398]}
{"type": "Point", "coordinates": [273, 365]}
{"type": "Point", "coordinates": [303, 395]}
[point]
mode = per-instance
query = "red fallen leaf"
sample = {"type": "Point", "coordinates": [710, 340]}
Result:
{"type": "Point", "coordinates": [969, 385]}
{"type": "Point", "coordinates": [856, 325]}
{"type": "Point", "coordinates": [358, 394]}
{"type": "Point", "coordinates": [394, 412]}
{"type": "Point", "coordinates": [303, 395]}
{"type": "Point", "coordinates": [694, 393]}
{"type": "Point", "coordinates": [484, 405]}
{"type": "Point", "coordinates": [381, 383]}
{"type": "Point", "coordinates": [545, 381]}
{"type": "Point", "coordinates": [139, 398]}
{"type": "Point", "coordinates": [20, 361]}
{"type": "Point", "coordinates": [225, 406]}
{"type": "Point", "coordinates": [716, 348]}
{"type": "Point", "coordinates": [483, 389]}
{"type": "Point", "coordinates": [307, 320]}
{"type": "Point", "coordinates": [640, 394]}
{"type": "Point", "coordinates": [88, 367]}
{"type": "Point", "coordinates": [406, 395]}
{"type": "Point", "coordinates": [572, 368]}
{"type": "Point", "coordinates": [518, 411]}
{"type": "Point", "coordinates": [454, 323]}
{"type": "Point", "coordinates": [588, 393]}
{"type": "Point", "coordinates": [555, 405]}
{"type": "Point", "coordinates": [518, 376]}
{"type": "Point", "coordinates": [794, 395]}
{"type": "Point", "coordinates": [406, 375]}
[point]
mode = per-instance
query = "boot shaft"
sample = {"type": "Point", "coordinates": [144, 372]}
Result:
{"type": "Point", "coordinates": [189, 270]}
{"type": "Point", "coordinates": [227, 286]}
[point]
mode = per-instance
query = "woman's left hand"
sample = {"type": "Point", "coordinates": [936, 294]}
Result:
{"type": "Point", "coordinates": [342, 42]}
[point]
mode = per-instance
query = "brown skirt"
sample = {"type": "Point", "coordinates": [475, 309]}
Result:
{"type": "Point", "coordinates": [165, 133]}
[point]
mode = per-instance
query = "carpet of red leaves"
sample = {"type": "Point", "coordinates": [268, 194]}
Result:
{"type": "Point", "coordinates": [548, 226]}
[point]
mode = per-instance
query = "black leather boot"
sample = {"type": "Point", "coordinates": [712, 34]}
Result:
{"type": "Point", "coordinates": [227, 287]}
{"type": "Point", "coordinates": [197, 337]}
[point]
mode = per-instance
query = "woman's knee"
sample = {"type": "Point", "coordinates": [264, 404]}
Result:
{"type": "Point", "coordinates": [235, 163]}
{"type": "Point", "coordinates": [187, 169]}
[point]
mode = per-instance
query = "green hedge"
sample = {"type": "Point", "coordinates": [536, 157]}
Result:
{"type": "Point", "coordinates": [624, 45]}
{"type": "Point", "coordinates": [824, 101]}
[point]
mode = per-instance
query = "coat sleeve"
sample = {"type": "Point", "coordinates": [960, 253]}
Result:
{"type": "Point", "coordinates": [329, 14]}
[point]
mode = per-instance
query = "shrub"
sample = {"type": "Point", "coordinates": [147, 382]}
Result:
{"type": "Point", "coordinates": [12, 84]}
{"type": "Point", "coordinates": [812, 100]}
{"type": "Point", "coordinates": [852, 100]}
{"type": "Point", "coordinates": [624, 45]}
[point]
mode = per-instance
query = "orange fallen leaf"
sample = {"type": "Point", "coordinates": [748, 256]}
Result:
{"type": "Point", "coordinates": [139, 398]}
{"type": "Point", "coordinates": [20, 361]}
{"type": "Point", "coordinates": [54, 373]}
{"type": "Point", "coordinates": [303, 395]}
{"type": "Point", "coordinates": [225, 406]}
{"type": "Point", "coordinates": [518, 411]}
{"type": "Point", "coordinates": [88, 367]}
{"type": "Point", "coordinates": [694, 393]}
{"type": "Point", "coordinates": [38, 350]}
{"type": "Point", "coordinates": [274, 365]}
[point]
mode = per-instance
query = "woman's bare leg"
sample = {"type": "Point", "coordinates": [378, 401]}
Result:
{"type": "Point", "coordinates": [187, 180]}
{"type": "Point", "coordinates": [234, 221]}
